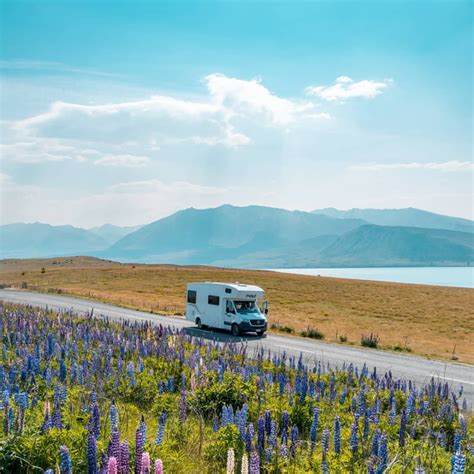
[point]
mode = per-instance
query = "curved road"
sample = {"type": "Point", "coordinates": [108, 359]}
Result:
{"type": "Point", "coordinates": [418, 369]}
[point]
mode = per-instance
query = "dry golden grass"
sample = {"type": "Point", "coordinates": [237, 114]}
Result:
{"type": "Point", "coordinates": [429, 320]}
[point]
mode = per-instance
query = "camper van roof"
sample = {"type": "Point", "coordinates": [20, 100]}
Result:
{"type": "Point", "coordinates": [236, 286]}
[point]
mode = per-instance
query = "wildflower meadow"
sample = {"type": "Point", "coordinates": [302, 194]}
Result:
{"type": "Point", "coordinates": [84, 394]}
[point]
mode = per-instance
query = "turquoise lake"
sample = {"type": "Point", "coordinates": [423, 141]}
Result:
{"type": "Point", "coordinates": [440, 276]}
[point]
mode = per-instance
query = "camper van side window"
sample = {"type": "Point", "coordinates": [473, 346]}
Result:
{"type": "Point", "coordinates": [191, 296]}
{"type": "Point", "coordinates": [211, 299]}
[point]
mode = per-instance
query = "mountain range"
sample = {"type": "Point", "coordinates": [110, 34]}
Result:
{"type": "Point", "coordinates": [260, 237]}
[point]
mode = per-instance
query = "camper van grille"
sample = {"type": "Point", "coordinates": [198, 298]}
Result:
{"type": "Point", "coordinates": [257, 322]}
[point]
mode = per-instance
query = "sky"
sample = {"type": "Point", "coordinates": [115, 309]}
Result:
{"type": "Point", "coordinates": [127, 111]}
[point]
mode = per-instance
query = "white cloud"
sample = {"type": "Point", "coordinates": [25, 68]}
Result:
{"type": "Point", "coordinates": [130, 161]}
{"type": "Point", "coordinates": [251, 97]}
{"type": "Point", "coordinates": [346, 88]}
{"type": "Point", "coordinates": [447, 166]}
{"type": "Point", "coordinates": [216, 119]}
{"type": "Point", "coordinates": [40, 150]}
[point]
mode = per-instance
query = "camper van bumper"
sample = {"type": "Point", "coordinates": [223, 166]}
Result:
{"type": "Point", "coordinates": [245, 326]}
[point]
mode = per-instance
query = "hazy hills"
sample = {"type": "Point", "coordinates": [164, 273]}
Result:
{"type": "Point", "coordinates": [410, 217]}
{"type": "Point", "coordinates": [44, 240]}
{"type": "Point", "coordinates": [260, 237]}
{"type": "Point", "coordinates": [112, 233]}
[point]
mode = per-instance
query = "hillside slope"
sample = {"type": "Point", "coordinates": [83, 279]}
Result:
{"type": "Point", "coordinates": [410, 217]}
{"type": "Point", "coordinates": [203, 236]}
{"type": "Point", "coordinates": [44, 240]}
{"type": "Point", "coordinates": [372, 245]}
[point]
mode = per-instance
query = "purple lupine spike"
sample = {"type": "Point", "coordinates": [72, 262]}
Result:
{"type": "Point", "coordinates": [260, 433]}
{"type": "Point", "coordinates": [91, 455]}
{"type": "Point", "coordinates": [56, 417]}
{"type": "Point", "coordinates": [268, 422]}
{"type": "Point", "coordinates": [294, 440]}
{"type": "Point", "coordinates": [254, 467]}
{"type": "Point", "coordinates": [337, 435]}
{"type": "Point", "coordinates": [115, 444]}
{"type": "Point", "coordinates": [249, 437]}
{"type": "Point", "coordinates": [124, 458]}
{"type": "Point", "coordinates": [139, 444]}
{"type": "Point", "coordinates": [284, 426]}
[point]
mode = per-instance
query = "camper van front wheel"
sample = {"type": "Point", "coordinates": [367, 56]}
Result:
{"type": "Point", "coordinates": [199, 323]}
{"type": "Point", "coordinates": [235, 330]}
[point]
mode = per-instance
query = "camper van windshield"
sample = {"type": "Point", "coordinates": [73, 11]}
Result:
{"type": "Point", "coordinates": [246, 307]}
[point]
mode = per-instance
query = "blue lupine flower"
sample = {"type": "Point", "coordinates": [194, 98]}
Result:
{"type": "Point", "coordinates": [354, 441]}
{"type": "Point", "coordinates": [114, 417]}
{"type": "Point", "coordinates": [337, 435]}
{"type": "Point", "coordinates": [458, 463]}
{"type": "Point", "coordinates": [403, 427]}
{"type": "Point", "coordinates": [91, 455]}
{"type": "Point", "coordinates": [161, 429]}
{"type": "Point", "coordinates": [314, 427]}
{"type": "Point", "coordinates": [65, 460]}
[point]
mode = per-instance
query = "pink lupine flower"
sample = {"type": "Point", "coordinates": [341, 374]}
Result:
{"type": "Point", "coordinates": [158, 466]}
{"type": "Point", "coordinates": [146, 463]}
{"type": "Point", "coordinates": [112, 465]}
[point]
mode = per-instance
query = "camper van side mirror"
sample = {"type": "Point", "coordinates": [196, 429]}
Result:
{"type": "Point", "coordinates": [266, 311]}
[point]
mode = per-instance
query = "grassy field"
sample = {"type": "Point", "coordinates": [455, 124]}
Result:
{"type": "Point", "coordinates": [427, 320]}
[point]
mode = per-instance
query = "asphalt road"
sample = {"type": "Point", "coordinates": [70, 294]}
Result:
{"type": "Point", "coordinates": [418, 369]}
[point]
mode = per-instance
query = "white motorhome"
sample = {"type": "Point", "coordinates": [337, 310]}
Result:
{"type": "Point", "coordinates": [231, 306]}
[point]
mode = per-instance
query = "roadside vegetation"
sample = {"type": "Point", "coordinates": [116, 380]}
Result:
{"type": "Point", "coordinates": [427, 320]}
{"type": "Point", "coordinates": [85, 394]}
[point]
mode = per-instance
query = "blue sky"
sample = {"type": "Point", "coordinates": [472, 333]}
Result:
{"type": "Point", "coordinates": [125, 112]}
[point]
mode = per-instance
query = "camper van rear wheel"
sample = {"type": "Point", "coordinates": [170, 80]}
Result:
{"type": "Point", "coordinates": [199, 323]}
{"type": "Point", "coordinates": [235, 330]}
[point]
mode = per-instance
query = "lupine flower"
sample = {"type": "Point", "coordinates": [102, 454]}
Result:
{"type": "Point", "coordinates": [245, 464]}
{"type": "Point", "coordinates": [294, 440]}
{"type": "Point", "coordinates": [383, 452]}
{"type": "Point", "coordinates": [249, 437]}
{"type": "Point", "coordinates": [146, 464]}
{"type": "Point", "coordinates": [354, 441]}
{"type": "Point", "coordinates": [158, 467]}
{"type": "Point", "coordinates": [115, 445]}
{"type": "Point", "coordinates": [325, 440]}
{"type": "Point", "coordinates": [458, 463]}
{"type": "Point", "coordinates": [112, 465]}
{"type": "Point", "coordinates": [403, 427]}
{"type": "Point", "coordinates": [314, 427]}
{"type": "Point", "coordinates": [56, 417]}
{"type": "Point", "coordinates": [124, 459]}
{"type": "Point", "coordinates": [337, 435]}
{"type": "Point", "coordinates": [260, 433]}
{"type": "Point", "coordinates": [91, 455]}
{"type": "Point", "coordinates": [65, 460]}
{"type": "Point", "coordinates": [230, 461]}
{"type": "Point", "coordinates": [114, 417]}
{"type": "Point", "coordinates": [139, 444]}
{"type": "Point", "coordinates": [254, 463]}
{"type": "Point", "coordinates": [161, 429]}
{"type": "Point", "coordinates": [456, 441]}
